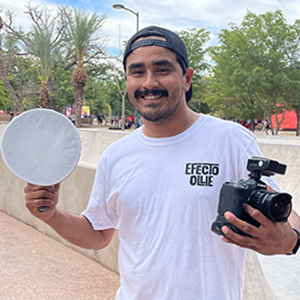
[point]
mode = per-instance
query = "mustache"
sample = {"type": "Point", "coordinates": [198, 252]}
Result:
{"type": "Point", "coordinates": [155, 92]}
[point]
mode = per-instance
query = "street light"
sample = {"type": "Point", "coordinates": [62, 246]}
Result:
{"type": "Point", "coordinates": [136, 13]}
{"type": "Point", "coordinates": [118, 6]}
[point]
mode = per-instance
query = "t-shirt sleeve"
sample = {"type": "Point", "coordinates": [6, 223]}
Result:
{"type": "Point", "coordinates": [102, 208]}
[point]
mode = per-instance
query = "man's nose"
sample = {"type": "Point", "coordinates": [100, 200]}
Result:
{"type": "Point", "coordinates": [150, 81]}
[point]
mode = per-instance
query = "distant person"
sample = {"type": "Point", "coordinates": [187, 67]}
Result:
{"type": "Point", "coordinates": [99, 118]}
{"type": "Point", "coordinates": [103, 120]}
{"type": "Point", "coordinates": [11, 114]}
{"type": "Point", "coordinates": [117, 121]}
{"type": "Point", "coordinates": [160, 187]}
{"type": "Point", "coordinates": [73, 118]}
{"type": "Point", "coordinates": [260, 125]}
{"type": "Point", "coordinates": [246, 125]}
{"type": "Point", "coordinates": [92, 118]}
{"type": "Point", "coordinates": [255, 124]}
{"type": "Point", "coordinates": [267, 126]}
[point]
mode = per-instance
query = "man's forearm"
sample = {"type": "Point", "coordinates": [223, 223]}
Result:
{"type": "Point", "coordinates": [79, 231]}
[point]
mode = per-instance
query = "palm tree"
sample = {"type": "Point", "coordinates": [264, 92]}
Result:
{"type": "Point", "coordinates": [42, 46]}
{"type": "Point", "coordinates": [81, 28]}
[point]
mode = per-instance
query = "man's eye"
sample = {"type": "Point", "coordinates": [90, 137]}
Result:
{"type": "Point", "coordinates": [163, 70]}
{"type": "Point", "coordinates": [137, 72]}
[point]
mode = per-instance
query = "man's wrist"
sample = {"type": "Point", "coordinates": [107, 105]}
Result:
{"type": "Point", "coordinates": [52, 219]}
{"type": "Point", "coordinates": [297, 245]}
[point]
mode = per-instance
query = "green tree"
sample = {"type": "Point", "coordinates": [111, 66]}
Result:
{"type": "Point", "coordinates": [22, 72]}
{"type": "Point", "coordinates": [254, 58]}
{"type": "Point", "coordinates": [231, 102]}
{"type": "Point", "coordinates": [97, 91]}
{"type": "Point", "coordinates": [42, 42]}
{"type": "Point", "coordinates": [62, 87]}
{"type": "Point", "coordinates": [3, 76]}
{"type": "Point", "coordinates": [81, 29]}
{"type": "Point", "coordinates": [5, 99]}
{"type": "Point", "coordinates": [195, 41]}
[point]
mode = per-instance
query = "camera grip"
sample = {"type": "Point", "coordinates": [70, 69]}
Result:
{"type": "Point", "coordinates": [221, 221]}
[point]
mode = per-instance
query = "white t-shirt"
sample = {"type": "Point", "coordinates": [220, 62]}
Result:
{"type": "Point", "coordinates": [162, 194]}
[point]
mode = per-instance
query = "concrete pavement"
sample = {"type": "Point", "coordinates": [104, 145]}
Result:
{"type": "Point", "coordinates": [36, 267]}
{"type": "Point", "coordinates": [282, 272]}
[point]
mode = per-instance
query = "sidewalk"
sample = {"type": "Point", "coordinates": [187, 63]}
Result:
{"type": "Point", "coordinates": [282, 272]}
{"type": "Point", "coordinates": [36, 267]}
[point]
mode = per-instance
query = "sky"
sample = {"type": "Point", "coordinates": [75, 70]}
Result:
{"type": "Point", "coordinates": [177, 15]}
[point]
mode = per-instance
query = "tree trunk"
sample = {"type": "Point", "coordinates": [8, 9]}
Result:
{"type": "Point", "coordinates": [44, 96]}
{"type": "Point", "coordinates": [17, 105]}
{"type": "Point", "coordinates": [80, 80]}
{"type": "Point", "coordinates": [271, 124]}
{"type": "Point", "coordinates": [79, 90]}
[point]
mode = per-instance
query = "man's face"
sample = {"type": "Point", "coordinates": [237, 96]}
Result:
{"type": "Point", "coordinates": [155, 82]}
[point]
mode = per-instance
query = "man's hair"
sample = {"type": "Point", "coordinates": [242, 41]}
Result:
{"type": "Point", "coordinates": [172, 42]}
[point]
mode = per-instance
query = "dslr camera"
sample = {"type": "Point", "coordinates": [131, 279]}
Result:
{"type": "Point", "coordinates": [233, 195]}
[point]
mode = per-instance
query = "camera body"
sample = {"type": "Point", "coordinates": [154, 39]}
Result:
{"type": "Point", "coordinates": [233, 196]}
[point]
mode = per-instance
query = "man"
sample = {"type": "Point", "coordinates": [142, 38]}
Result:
{"type": "Point", "coordinates": [11, 115]}
{"type": "Point", "coordinates": [159, 186]}
{"type": "Point", "coordinates": [73, 118]}
{"type": "Point", "coordinates": [99, 117]}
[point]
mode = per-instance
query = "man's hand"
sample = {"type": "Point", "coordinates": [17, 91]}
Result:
{"type": "Point", "coordinates": [37, 196]}
{"type": "Point", "coordinates": [269, 238]}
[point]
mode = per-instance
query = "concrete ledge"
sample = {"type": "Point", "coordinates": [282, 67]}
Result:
{"type": "Point", "coordinates": [95, 141]}
{"type": "Point", "coordinates": [5, 119]}
{"type": "Point", "coordinates": [287, 153]}
{"type": "Point", "coordinates": [2, 127]}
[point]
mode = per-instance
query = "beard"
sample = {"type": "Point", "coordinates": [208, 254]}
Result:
{"type": "Point", "coordinates": [160, 115]}
{"type": "Point", "coordinates": [153, 112]}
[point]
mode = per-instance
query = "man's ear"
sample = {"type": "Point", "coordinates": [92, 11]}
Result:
{"type": "Point", "coordinates": [188, 76]}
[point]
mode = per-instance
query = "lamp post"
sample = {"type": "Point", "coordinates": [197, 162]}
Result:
{"type": "Point", "coordinates": [136, 13]}
{"type": "Point", "coordinates": [298, 111]}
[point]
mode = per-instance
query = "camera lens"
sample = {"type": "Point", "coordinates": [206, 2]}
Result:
{"type": "Point", "coordinates": [281, 207]}
{"type": "Point", "coordinates": [275, 206]}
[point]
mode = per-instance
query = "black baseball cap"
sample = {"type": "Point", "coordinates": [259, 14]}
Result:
{"type": "Point", "coordinates": [172, 42]}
